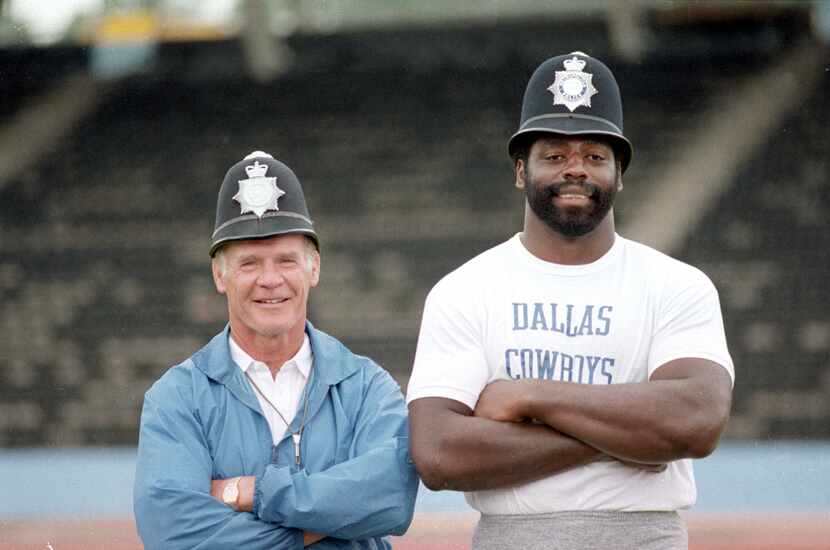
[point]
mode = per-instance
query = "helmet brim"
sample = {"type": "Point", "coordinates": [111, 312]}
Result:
{"type": "Point", "coordinates": [574, 125]}
{"type": "Point", "coordinates": [271, 224]}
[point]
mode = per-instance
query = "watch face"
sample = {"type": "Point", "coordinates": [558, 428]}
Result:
{"type": "Point", "coordinates": [231, 492]}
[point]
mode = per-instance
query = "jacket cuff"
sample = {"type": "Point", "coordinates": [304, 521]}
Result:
{"type": "Point", "coordinates": [266, 491]}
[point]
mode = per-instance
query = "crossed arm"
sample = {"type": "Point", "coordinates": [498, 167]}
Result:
{"type": "Point", "coordinates": [371, 494]}
{"type": "Point", "coordinates": [245, 501]}
{"type": "Point", "coordinates": [679, 413]}
{"type": "Point", "coordinates": [173, 505]}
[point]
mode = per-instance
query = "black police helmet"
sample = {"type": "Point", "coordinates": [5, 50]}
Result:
{"type": "Point", "coordinates": [260, 197]}
{"type": "Point", "coordinates": [573, 95]}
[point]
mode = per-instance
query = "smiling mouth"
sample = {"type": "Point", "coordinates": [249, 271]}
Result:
{"type": "Point", "coordinates": [577, 200]}
{"type": "Point", "coordinates": [574, 191]}
{"type": "Point", "coordinates": [272, 301]}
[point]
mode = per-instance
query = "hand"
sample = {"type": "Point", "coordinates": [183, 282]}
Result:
{"type": "Point", "coordinates": [502, 401]}
{"type": "Point", "coordinates": [311, 538]}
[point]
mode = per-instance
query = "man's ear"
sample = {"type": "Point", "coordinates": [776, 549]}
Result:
{"type": "Point", "coordinates": [619, 177]}
{"type": "Point", "coordinates": [315, 269]}
{"type": "Point", "coordinates": [520, 174]}
{"type": "Point", "coordinates": [218, 281]}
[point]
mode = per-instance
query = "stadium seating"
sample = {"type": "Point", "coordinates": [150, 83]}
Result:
{"type": "Point", "coordinates": [399, 138]}
{"type": "Point", "coordinates": [766, 246]}
{"type": "Point", "coordinates": [26, 72]}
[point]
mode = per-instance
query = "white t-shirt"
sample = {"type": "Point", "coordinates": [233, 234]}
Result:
{"type": "Point", "coordinates": [507, 314]}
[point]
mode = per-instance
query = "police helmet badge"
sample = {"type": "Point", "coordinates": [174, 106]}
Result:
{"type": "Point", "coordinates": [573, 87]}
{"type": "Point", "coordinates": [258, 193]}
{"type": "Point", "coordinates": [246, 206]}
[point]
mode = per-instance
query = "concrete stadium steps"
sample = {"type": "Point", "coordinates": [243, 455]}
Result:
{"type": "Point", "coordinates": [26, 72]}
{"type": "Point", "coordinates": [400, 141]}
{"type": "Point", "coordinates": [664, 101]}
{"type": "Point", "coordinates": [765, 245]}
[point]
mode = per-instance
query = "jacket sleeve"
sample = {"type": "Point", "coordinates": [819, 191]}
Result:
{"type": "Point", "coordinates": [171, 497]}
{"type": "Point", "coordinates": [369, 495]}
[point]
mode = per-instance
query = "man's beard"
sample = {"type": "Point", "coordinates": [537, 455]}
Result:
{"type": "Point", "coordinates": [569, 222]}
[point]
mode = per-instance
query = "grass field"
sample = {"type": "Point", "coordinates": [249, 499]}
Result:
{"type": "Point", "coordinates": [451, 532]}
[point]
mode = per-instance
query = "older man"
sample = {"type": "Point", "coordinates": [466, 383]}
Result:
{"type": "Point", "coordinates": [273, 435]}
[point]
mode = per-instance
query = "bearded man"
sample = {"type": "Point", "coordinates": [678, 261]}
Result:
{"type": "Point", "coordinates": [565, 378]}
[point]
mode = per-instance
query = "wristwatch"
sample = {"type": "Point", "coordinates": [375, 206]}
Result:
{"type": "Point", "coordinates": [230, 494]}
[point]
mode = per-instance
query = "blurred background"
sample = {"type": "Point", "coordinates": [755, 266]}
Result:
{"type": "Point", "coordinates": [120, 118]}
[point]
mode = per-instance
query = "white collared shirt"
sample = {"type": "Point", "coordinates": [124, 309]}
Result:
{"type": "Point", "coordinates": [285, 391]}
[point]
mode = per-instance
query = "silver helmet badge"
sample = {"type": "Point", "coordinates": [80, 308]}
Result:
{"type": "Point", "coordinates": [573, 87]}
{"type": "Point", "coordinates": [258, 193]}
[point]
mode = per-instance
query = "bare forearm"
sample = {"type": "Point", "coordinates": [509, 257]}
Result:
{"type": "Point", "coordinates": [489, 455]}
{"type": "Point", "coordinates": [625, 421]}
{"type": "Point", "coordinates": [455, 450]}
{"type": "Point", "coordinates": [655, 421]}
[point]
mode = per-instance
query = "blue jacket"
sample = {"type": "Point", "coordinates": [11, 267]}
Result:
{"type": "Point", "coordinates": [201, 421]}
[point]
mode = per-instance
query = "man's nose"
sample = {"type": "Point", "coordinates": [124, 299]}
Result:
{"type": "Point", "coordinates": [575, 167]}
{"type": "Point", "coordinates": [270, 276]}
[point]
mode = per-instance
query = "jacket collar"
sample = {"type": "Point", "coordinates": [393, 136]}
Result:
{"type": "Point", "coordinates": [333, 362]}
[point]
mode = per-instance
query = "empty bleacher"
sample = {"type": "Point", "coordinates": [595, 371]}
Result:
{"type": "Point", "coordinates": [766, 247]}
{"type": "Point", "coordinates": [26, 72]}
{"type": "Point", "coordinates": [399, 138]}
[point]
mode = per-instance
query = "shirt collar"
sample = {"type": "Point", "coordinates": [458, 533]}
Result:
{"type": "Point", "coordinates": [302, 359]}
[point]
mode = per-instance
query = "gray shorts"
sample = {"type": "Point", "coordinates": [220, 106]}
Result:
{"type": "Point", "coordinates": [588, 530]}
